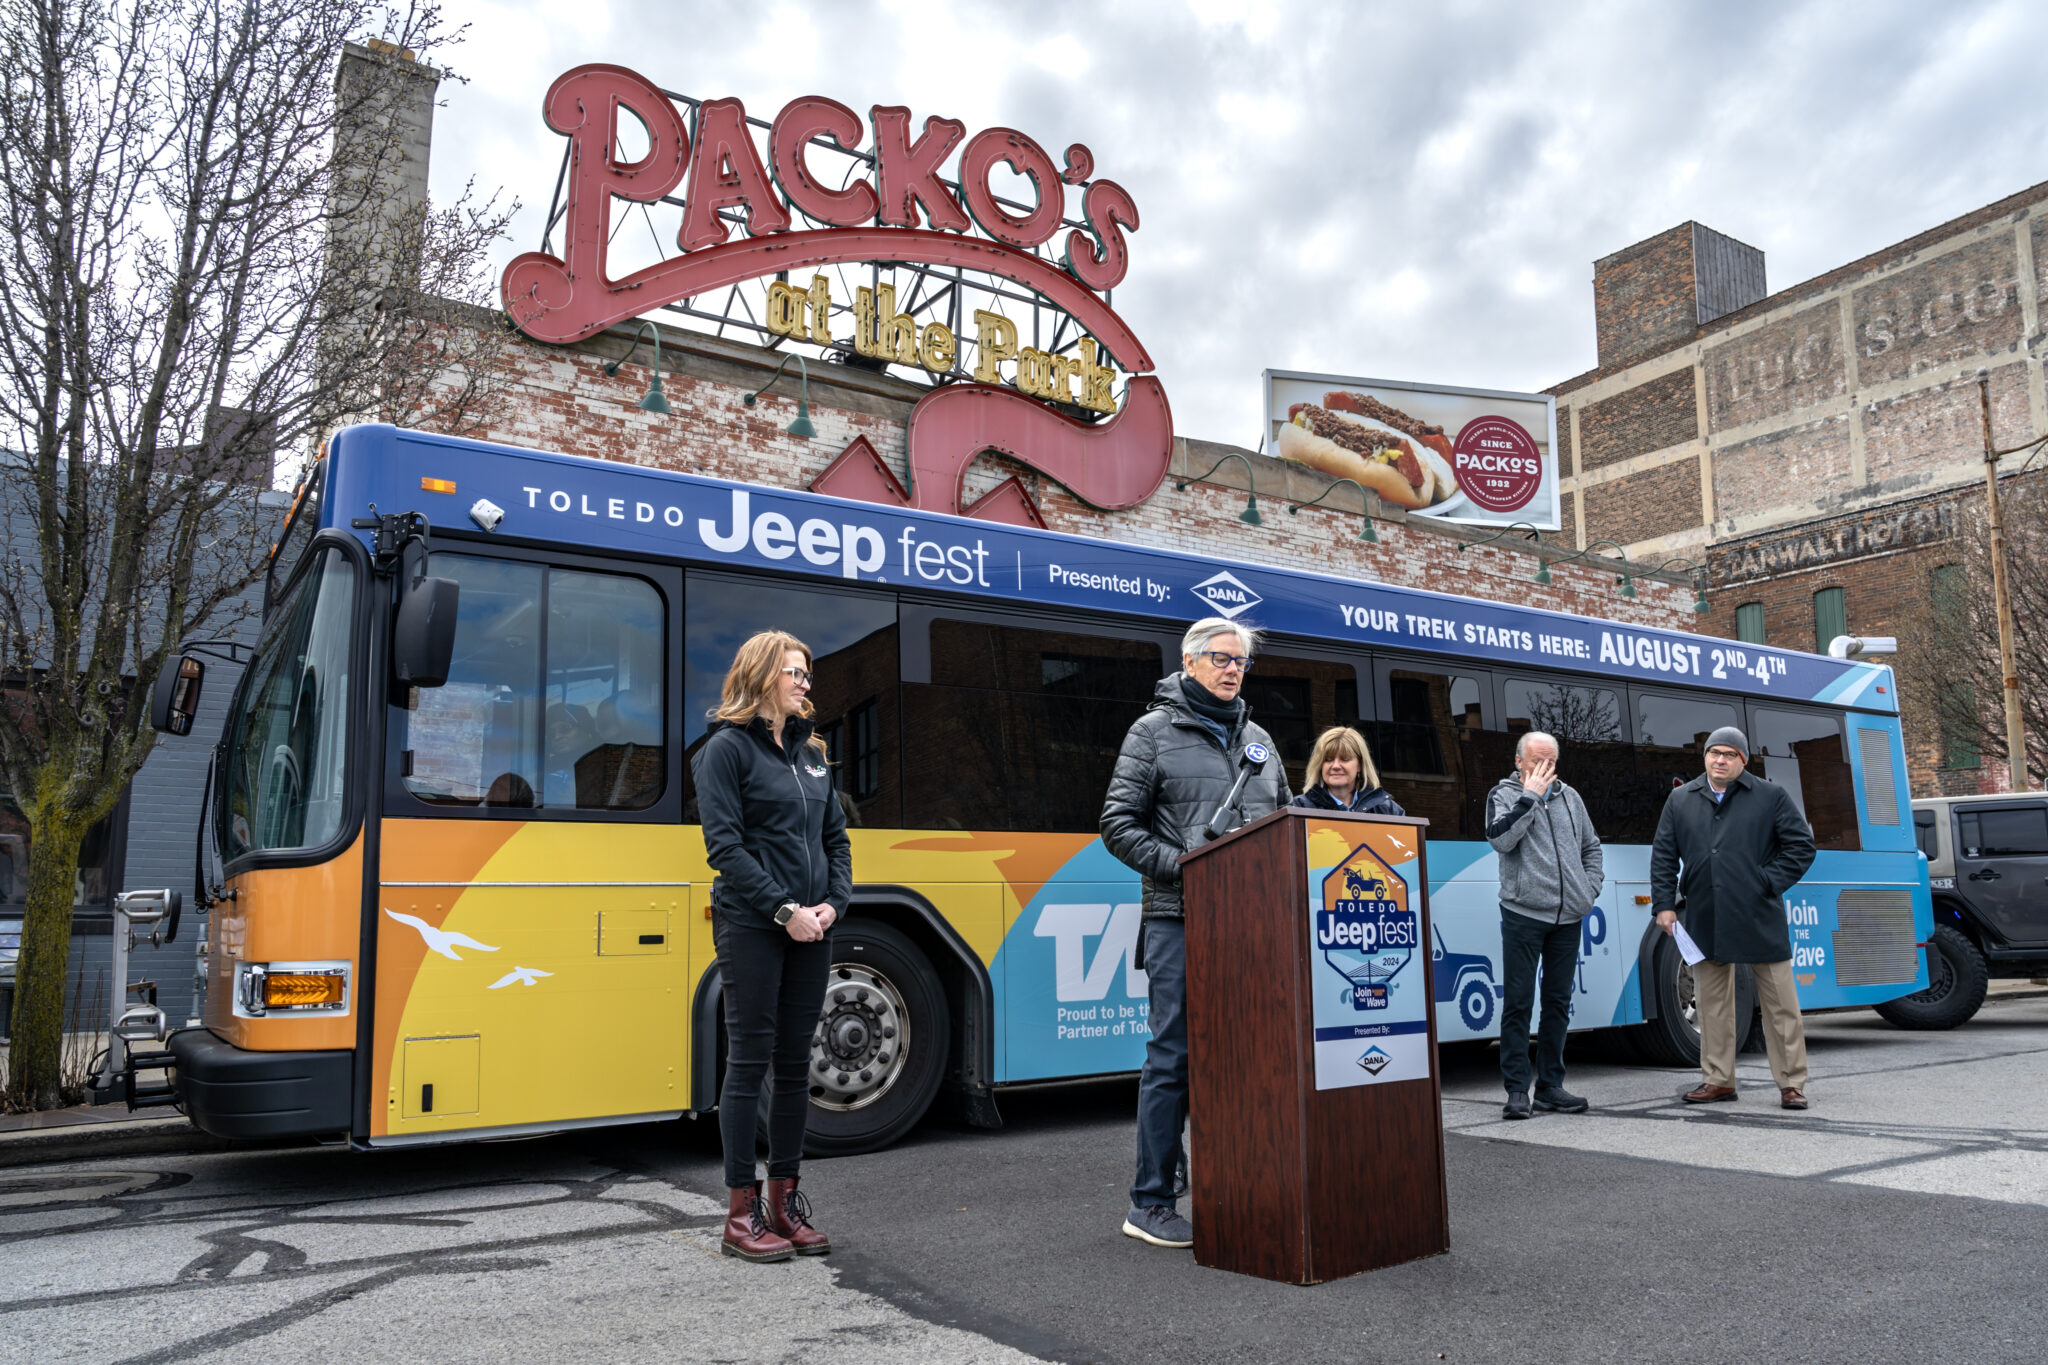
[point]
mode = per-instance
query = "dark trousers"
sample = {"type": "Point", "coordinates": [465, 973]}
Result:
{"type": "Point", "coordinates": [1523, 943]}
{"type": "Point", "coordinates": [774, 988]}
{"type": "Point", "coordinates": [1163, 1085]}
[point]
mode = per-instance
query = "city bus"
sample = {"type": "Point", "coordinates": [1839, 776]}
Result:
{"type": "Point", "coordinates": [456, 889]}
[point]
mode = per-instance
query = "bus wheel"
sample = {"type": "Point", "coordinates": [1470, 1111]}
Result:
{"type": "Point", "coordinates": [880, 1049]}
{"type": "Point", "coordinates": [1956, 984]}
{"type": "Point", "coordinates": [1673, 1037]}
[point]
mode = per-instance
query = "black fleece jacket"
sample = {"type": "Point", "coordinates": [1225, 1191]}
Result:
{"type": "Point", "coordinates": [773, 827]}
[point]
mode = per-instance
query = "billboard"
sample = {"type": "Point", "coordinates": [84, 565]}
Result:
{"type": "Point", "coordinates": [1475, 456]}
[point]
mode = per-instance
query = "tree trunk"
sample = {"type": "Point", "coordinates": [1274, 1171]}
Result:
{"type": "Point", "coordinates": [36, 1055]}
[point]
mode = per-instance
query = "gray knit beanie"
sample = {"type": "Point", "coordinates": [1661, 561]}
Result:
{"type": "Point", "coordinates": [1731, 737]}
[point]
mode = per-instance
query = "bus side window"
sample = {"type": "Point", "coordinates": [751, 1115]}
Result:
{"type": "Point", "coordinates": [1801, 751]}
{"type": "Point", "coordinates": [852, 637]}
{"type": "Point", "coordinates": [1590, 724]}
{"type": "Point", "coordinates": [1671, 739]}
{"type": "Point", "coordinates": [1434, 750]}
{"type": "Point", "coordinates": [1018, 728]}
{"type": "Point", "coordinates": [1294, 699]}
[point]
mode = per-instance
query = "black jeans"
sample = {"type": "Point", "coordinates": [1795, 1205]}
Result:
{"type": "Point", "coordinates": [774, 988]}
{"type": "Point", "coordinates": [1163, 1085]}
{"type": "Point", "coordinates": [1523, 943]}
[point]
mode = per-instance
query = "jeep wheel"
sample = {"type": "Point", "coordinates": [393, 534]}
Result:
{"type": "Point", "coordinates": [1475, 1003]}
{"type": "Point", "coordinates": [1956, 981]}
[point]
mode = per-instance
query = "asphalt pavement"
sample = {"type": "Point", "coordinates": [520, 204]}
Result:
{"type": "Point", "coordinates": [1903, 1218]}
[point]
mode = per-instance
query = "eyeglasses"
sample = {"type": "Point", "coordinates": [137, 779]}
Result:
{"type": "Point", "coordinates": [1222, 662]}
{"type": "Point", "coordinates": [802, 675]}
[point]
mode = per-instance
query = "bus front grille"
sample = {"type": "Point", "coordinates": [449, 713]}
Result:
{"type": "Point", "coordinates": [1874, 938]}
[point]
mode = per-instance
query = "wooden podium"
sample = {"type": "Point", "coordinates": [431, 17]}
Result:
{"type": "Point", "coordinates": [1317, 1126]}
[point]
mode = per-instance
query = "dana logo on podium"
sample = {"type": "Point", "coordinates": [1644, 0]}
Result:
{"type": "Point", "coordinates": [1365, 929]}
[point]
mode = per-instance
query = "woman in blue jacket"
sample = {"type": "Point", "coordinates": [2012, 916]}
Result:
{"type": "Point", "coordinates": [1341, 776]}
{"type": "Point", "coordinates": [776, 836]}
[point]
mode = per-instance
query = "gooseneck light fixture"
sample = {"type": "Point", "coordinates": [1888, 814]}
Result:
{"type": "Point", "coordinates": [1542, 574]}
{"type": "Point", "coordinates": [654, 401]}
{"type": "Point", "coordinates": [801, 428]}
{"type": "Point", "coordinates": [1366, 533]}
{"type": "Point", "coordinates": [1250, 516]}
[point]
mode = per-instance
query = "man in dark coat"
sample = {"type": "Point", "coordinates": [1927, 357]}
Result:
{"type": "Point", "coordinates": [1728, 847]}
{"type": "Point", "coordinates": [1177, 766]}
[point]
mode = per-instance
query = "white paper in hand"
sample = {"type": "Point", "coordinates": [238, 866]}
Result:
{"type": "Point", "coordinates": [1687, 949]}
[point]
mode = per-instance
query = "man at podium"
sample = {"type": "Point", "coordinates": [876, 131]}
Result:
{"type": "Point", "coordinates": [1193, 762]}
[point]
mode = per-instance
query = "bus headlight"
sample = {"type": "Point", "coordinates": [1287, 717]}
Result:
{"type": "Point", "coordinates": [292, 988]}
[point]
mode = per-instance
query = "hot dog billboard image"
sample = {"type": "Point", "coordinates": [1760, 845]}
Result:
{"type": "Point", "coordinates": [1476, 456]}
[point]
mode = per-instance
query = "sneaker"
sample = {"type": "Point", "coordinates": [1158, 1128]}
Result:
{"type": "Point", "coordinates": [1517, 1106]}
{"type": "Point", "coordinates": [1159, 1225]}
{"type": "Point", "coordinates": [1561, 1100]}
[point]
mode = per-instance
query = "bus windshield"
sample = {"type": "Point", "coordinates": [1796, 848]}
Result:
{"type": "Point", "coordinates": [287, 742]}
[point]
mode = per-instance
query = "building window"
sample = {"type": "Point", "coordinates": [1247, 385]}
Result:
{"type": "Point", "coordinates": [1749, 623]}
{"type": "Point", "coordinates": [1830, 616]}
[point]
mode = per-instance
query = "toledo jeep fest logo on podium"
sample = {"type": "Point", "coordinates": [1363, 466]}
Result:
{"type": "Point", "coordinates": [1366, 930]}
{"type": "Point", "coordinates": [1051, 405]}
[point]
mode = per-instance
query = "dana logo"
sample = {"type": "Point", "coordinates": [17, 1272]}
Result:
{"type": "Point", "coordinates": [1227, 595]}
{"type": "Point", "coordinates": [1374, 1060]}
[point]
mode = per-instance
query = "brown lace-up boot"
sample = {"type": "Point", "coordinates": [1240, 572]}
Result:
{"type": "Point", "coordinates": [748, 1234]}
{"type": "Point", "coordinates": [789, 1216]}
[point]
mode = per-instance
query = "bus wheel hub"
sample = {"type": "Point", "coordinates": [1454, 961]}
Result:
{"type": "Point", "coordinates": [862, 1037]}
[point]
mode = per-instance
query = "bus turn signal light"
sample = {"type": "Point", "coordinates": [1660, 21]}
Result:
{"type": "Point", "coordinates": [437, 485]}
{"type": "Point", "coordinates": [303, 990]}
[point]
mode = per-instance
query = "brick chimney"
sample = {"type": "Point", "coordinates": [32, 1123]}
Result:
{"type": "Point", "coordinates": [1657, 294]}
{"type": "Point", "coordinates": [387, 103]}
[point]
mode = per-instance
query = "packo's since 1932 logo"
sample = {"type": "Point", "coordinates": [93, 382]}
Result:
{"type": "Point", "coordinates": [1365, 929]}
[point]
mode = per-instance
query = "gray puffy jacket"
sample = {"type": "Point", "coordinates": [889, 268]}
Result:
{"type": "Point", "coordinates": [1170, 777]}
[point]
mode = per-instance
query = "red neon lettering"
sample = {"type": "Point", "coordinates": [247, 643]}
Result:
{"type": "Point", "coordinates": [1102, 263]}
{"type": "Point", "coordinates": [908, 172]}
{"type": "Point", "coordinates": [801, 120]}
{"type": "Point", "coordinates": [584, 105]}
{"type": "Point", "coordinates": [727, 173]}
{"type": "Point", "coordinates": [1028, 159]}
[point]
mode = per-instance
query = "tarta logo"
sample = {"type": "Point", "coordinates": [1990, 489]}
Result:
{"type": "Point", "coordinates": [1227, 595]}
{"type": "Point", "coordinates": [1077, 975]}
{"type": "Point", "coordinates": [1365, 929]}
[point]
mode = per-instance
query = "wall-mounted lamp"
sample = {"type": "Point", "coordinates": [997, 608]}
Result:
{"type": "Point", "coordinates": [1366, 533]}
{"type": "Point", "coordinates": [1542, 574]}
{"type": "Point", "coordinates": [654, 401]}
{"type": "Point", "coordinates": [1250, 516]}
{"type": "Point", "coordinates": [1699, 582]}
{"type": "Point", "coordinates": [801, 428]}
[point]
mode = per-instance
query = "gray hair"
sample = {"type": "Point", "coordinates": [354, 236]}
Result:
{"type": "Point", "coordinates": [1209, 627]}
{"type": "Point", "coordinates": [1527, 735]}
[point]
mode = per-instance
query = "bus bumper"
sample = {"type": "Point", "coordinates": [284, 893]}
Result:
{"type": "Point", "coordinates": [233, 1093]}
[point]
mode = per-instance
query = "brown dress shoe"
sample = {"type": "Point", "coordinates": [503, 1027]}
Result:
{"type": "Point", "coordinates": [1792, 1097]}
{"type": "Point", "coordinates": [747, 1233]}
{"type": "Point", "coordinates": [789, 1216]}
{"type": "Point", "coordinates": [1708, 1094]}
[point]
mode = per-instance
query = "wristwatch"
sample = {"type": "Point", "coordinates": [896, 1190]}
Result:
{"type": "Point", "coordinates": [785, 912]}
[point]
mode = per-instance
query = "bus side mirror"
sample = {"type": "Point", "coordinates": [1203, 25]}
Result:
{"type": "Point", "coordinates": [174, 701]}
{"type": "Point", "coordinates": [423, 642]}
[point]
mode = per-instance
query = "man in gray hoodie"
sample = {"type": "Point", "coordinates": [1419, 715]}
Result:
{"type": "Point", "coordinates": [1550, 875]}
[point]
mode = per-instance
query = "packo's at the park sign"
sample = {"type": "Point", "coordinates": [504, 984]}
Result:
{"type": "Point", "coordinates": [902, 211]}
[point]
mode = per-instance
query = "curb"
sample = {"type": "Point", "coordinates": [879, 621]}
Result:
{"type": "Point", "coordinates": [89, 1141]}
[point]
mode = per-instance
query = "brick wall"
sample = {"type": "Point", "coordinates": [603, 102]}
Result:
{"type": "Point", "coordinates": [1653, 502]}
{"type": "Point", "coordinates": [1645, 297]}
{"type": "Point", "coordinates": [1651, 416]}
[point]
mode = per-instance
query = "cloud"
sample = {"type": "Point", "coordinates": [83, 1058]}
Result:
{"type": "Point", "coordinates": [1400, 191]}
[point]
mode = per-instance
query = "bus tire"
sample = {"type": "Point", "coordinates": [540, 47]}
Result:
{"type": "Point", "coordinates": [1673, 1038]}
{"type": "Point", "coordinates": [880, 1050]}
{"type": "Point", "coordinates": [1955, 989]}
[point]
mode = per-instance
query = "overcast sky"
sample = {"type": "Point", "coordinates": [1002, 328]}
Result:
{"type": "Point", "coordinates": [1399, 191]}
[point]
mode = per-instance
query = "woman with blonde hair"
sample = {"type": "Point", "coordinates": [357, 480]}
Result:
{"type": "Point", "coordinates": [776, 836]}
{"type": "Point", "coordinates": [1341, 776]}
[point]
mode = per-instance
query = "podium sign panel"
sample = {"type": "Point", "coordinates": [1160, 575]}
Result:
{"type": "Point", "coordinates": [1369, 972]}
{"type": "Point", "coordinates": [1318, 1147]}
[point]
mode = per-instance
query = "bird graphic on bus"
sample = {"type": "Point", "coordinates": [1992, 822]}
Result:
{"type": "Point", "coordinates": [525, 976]}
{"type": "Point", "coordinates": [442, 941]}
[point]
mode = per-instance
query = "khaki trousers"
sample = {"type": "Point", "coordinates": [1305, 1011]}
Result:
{"type": "Point", "coordinates": [1784, 1035]}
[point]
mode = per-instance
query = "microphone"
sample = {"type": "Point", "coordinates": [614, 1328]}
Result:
{"type": "Point", "coordinates": [1254, 756]}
